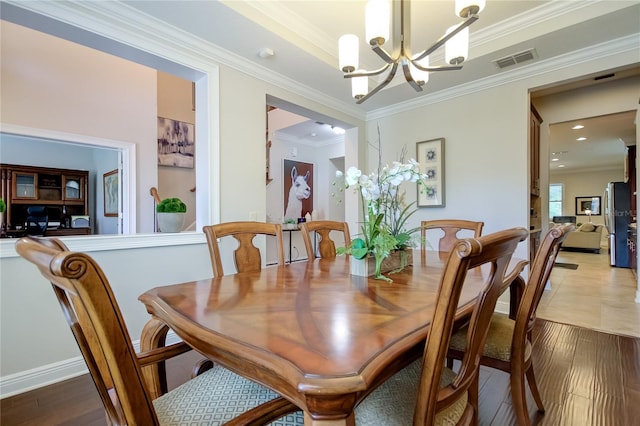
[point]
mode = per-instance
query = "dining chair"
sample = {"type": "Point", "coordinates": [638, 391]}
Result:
{"type": "Point", "coordinates": [508, 345]}
{"type": "Point", "coordinates": [450, 228]}
{"type": "Point", "coordinates": [246, 256]}
{"type": "Point", "coordinates": [323, 230]}
{"type": "Point", "coordinates": [427, 392]}
{"type": "Point", "coordinates": [89, 305]}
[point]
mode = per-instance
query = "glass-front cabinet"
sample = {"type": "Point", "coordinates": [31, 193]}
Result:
{"type": "Point", "coordinates": [24, 186]}
{"type": "Point", "coordinates": [73, 188]}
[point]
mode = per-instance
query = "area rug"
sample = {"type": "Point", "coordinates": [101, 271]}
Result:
{"type": "Point", "coordinates": [566, 265]}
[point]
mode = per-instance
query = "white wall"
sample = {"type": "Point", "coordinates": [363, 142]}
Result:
{"type": "Point", "coordinates": [485, 159]}
{"type": "Point", "coordinates": [49, 83]}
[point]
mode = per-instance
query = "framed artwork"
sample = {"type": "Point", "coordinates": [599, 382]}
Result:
{"type": "Point", "coordinates": [430, 155]}
{"type": "Point", "coordinates": [110, 189]}
{"type": "Point", "coordinates": [588, 206]}
{"type": "Point", "coordinates": [297, 181]}
{"type": "Point", "coordinates": [176, 143]}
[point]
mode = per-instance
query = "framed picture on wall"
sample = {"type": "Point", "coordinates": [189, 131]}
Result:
{"type": "Point", "coordinates": [430, 155]}
{"type": "Point", "coordinates": [297, 181]}
{"type": "Point", "coordinates": [110, 187]}
{"type": "Point", "coordinates": [176, 143]}
{"type": "Point", "coordinates": [588, 206]}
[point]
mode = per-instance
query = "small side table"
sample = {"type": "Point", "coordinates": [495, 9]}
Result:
{"type": "Point", "coordinates": [296, 229]}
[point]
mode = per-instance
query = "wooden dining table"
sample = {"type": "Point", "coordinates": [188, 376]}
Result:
{"type": "Point", "coordinates": [310, 331]}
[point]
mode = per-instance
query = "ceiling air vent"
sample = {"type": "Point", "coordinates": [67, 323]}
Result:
{"type": "Point", "coordinates": [516, 58]}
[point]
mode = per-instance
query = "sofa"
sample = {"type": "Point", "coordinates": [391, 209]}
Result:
{"type": "Point", "coordinates": [587, 237]}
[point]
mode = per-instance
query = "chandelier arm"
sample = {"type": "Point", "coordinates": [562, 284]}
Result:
{"type": "Point", "coordinates": [407, 76]}
{"type": "Point", "coordinates": [365, 73]}
{"type": "Point", "coordinates": [435, 67]}
{"type": "Point", "coordinates": [381, 85]}
{"type": "Point", "coordinates": [382, 53]}
{"type": "Point", "coordinates": [442, 40]}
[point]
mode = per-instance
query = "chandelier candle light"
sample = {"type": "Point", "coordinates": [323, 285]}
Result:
{"type": "Point", "coordinates": [415, 67]}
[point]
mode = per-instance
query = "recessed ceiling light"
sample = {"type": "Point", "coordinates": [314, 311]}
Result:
{"type": "Point", "coordinates": [559, 152]}
{"type": "Point", "coordinates": [338, 130]}
{"type": "Point", "coordinates": [555, 159]}
{"type": "Point", "coordinates": [581, 138]}
{"type": "Point", "coordinates": [560, 165]}
{"type": "Point", "coordinates": [577, 127]}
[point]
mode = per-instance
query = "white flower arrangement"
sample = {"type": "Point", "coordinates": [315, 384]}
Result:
{"type": "Point", "coordinates": [385, 210]}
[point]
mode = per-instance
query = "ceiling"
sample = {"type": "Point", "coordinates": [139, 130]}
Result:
{"type": "Point", "coordinates": [303, 35]}
{"type": "Point", "coordinates": [607, 138]}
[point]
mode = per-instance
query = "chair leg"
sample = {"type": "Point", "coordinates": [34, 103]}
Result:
{"type": "Point", "coordinates": [473, 397]}
{"type": "Point", "coordinates": [519, 398]}
{"type": "Point", "coordinates": [534, 388]}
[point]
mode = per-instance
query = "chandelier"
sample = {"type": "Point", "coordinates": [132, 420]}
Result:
{"type": "Point", "coordinates": [415, 67]}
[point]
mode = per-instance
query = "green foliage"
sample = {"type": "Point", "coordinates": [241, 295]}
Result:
{"type": "Point", "coordinates": [171, 205]}
{"type": "Point", "coordinates": [3, 206]}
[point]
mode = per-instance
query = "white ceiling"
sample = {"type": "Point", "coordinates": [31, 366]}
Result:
{"type": "Point", "coordinates": [605, 145]}
{"type": "Point", "coordinates": [303, 35]}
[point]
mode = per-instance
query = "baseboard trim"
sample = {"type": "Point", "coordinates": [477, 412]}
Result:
{"type": "Point", "coordinates": [24, 381]}
{"type": "Point", "coordinates": [502, 307]}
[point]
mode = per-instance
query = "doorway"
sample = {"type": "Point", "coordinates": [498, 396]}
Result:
{"type": "Point", "coordinates": [301, 141]}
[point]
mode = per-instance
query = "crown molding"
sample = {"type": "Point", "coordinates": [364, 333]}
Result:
{"type": "Point", "coordinates": [127, 25]}
{"type": "Point", "coordinates": [622, 45]}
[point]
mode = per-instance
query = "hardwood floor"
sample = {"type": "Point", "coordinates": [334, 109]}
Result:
{"type": "Point", "coordinates": [586, 377]}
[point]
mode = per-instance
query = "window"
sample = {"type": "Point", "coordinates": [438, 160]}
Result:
{"type": "Point", "coordinates": [555, 199]}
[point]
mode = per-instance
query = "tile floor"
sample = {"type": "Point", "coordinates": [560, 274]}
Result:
{"type": "Point", "coordinates": [595, 296]}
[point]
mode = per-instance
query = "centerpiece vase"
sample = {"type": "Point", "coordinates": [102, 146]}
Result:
{"type": "Point", "coordinates": [395, 262]}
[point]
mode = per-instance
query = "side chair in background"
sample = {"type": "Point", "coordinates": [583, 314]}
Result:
{"type": "Point", "coordinates": [508, 346]}
{"type": "Point", "coordinates": [90, 307]}
{"type": "Point", "coordinates": [323, 229]}
{"type": "Point", "coordinates": [246, 256]}
{"type": "Point", "coordinates": [426, 392]}
{"type": "Point", "coordinates": [450, 228]}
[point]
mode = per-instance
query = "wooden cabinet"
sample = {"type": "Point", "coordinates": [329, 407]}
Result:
{"type": "Point", "coordinates": [62, 192]}
{"type": "Point", "coordinates": [534, 145]}
{"type": "Point", "coordinates": [535, 203]}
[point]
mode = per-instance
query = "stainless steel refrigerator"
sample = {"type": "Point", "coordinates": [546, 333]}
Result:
{"type": "Point", "coordinates": [617, 217]}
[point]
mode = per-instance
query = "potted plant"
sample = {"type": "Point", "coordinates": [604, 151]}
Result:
{"type": "Point", "coordinates": [3, 208]}
{"type": "Point", "coordinates": [171, 212]}
{"type": "Point", "coordinates": [290, 224]}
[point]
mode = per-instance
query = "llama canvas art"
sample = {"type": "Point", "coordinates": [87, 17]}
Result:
{"type": "Point", "coordinates": [298, 184]}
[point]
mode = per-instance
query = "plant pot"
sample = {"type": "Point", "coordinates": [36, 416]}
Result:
{"type": "Point", "coordinates": [170, 222]}
{"type": "Point", "coordinates": [396, 261]}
